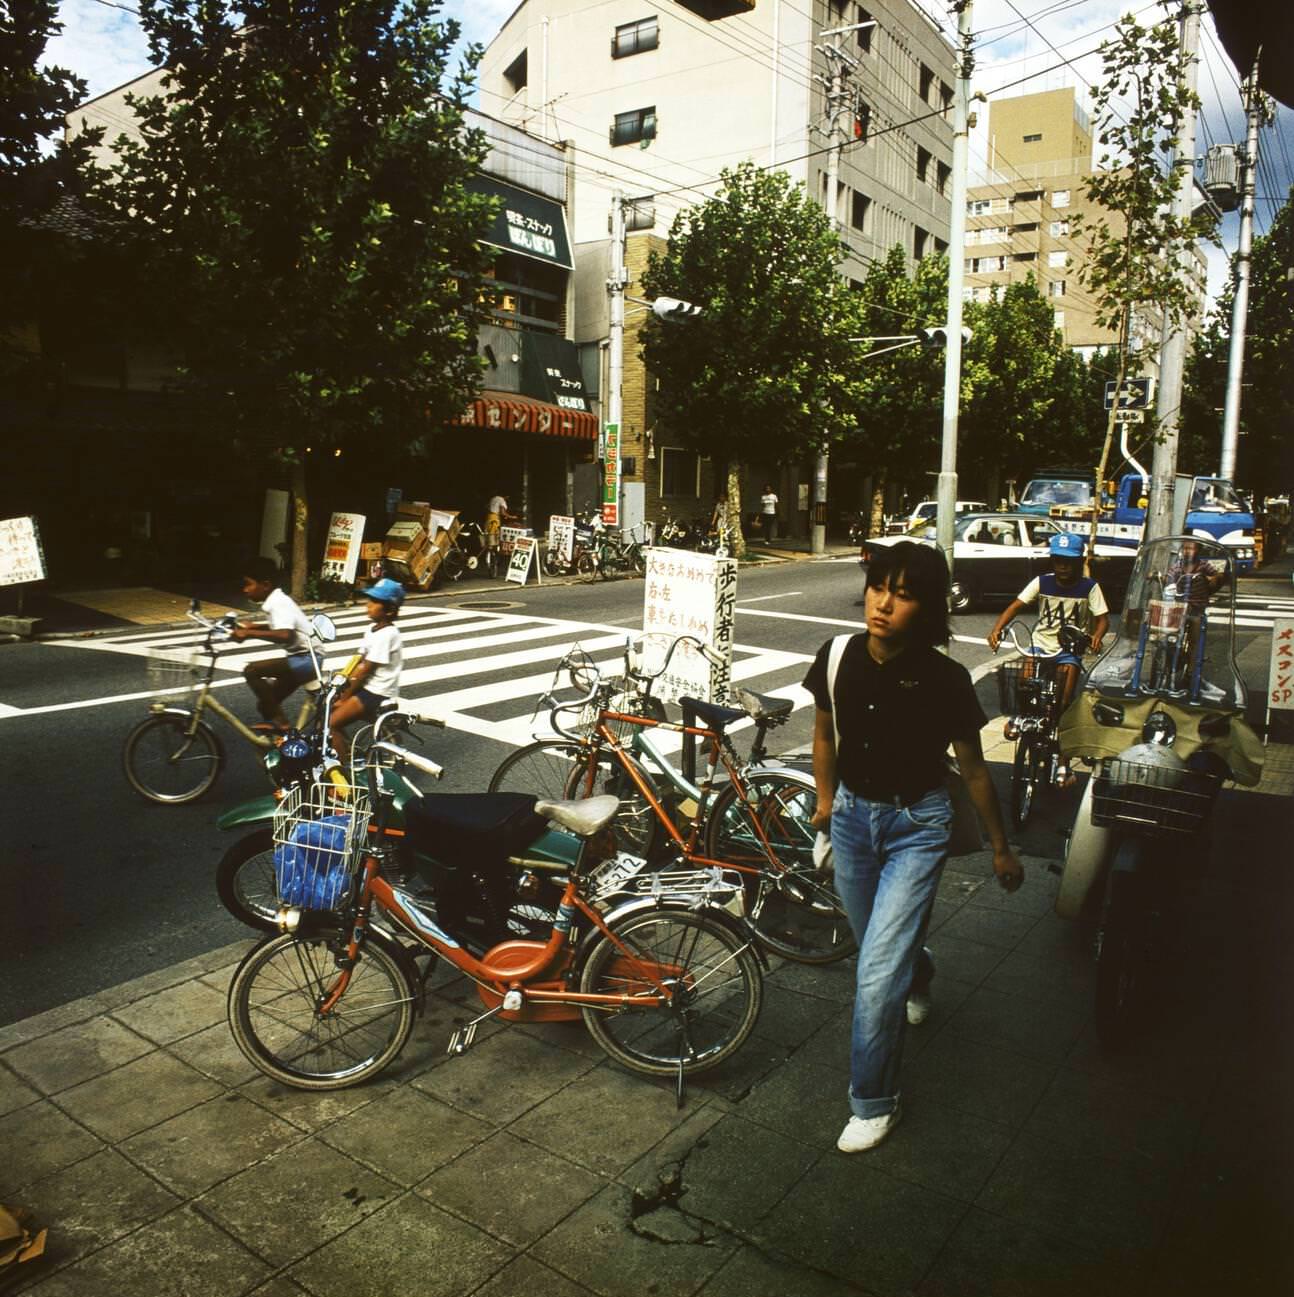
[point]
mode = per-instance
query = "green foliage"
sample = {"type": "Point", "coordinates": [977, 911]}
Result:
{"type": "Point", "coordinates": [296, 204]}
{"type": "Point", "coordinates": [1264, 458]}
{"type": "Point", "coordinates": [759, 376]}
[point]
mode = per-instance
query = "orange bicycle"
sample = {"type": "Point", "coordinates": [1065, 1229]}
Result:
{"type": "Point", "coordinates": [666, 978]}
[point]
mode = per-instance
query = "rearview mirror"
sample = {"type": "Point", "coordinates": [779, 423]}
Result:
{"type": "Point", "coordinates": [324, 627]}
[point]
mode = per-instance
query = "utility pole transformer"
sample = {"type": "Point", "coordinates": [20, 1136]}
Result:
{"type": "Point", "coordinates": [1254, 113]}
{"type": "Point", "coordinates": [946, 490]}
{"type": "Point", "coordinates": [1172, 351]}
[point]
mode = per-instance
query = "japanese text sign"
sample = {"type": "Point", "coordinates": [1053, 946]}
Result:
{"type": "Point", "coordinates": [1280, 675]}
{"type": "Point", "coordinates": [21, 557]}
{"type": "Point", "coordinates": [341, 550]}
{"type": "Point", "coordinates": [691, 594]}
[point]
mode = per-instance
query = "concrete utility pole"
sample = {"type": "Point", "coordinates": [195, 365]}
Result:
{"type": "Point", "coordinates": [1240, 302]}
{"type": "Point", "coordinates": [1172, 351]}
{"type": "Point", "coordinates": [946, 489]}
{"type": "Point", "coordinates": [617, 282]}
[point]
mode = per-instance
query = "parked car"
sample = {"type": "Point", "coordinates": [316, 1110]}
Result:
{"type": "Point", "coordinates": [925, 513]}
{"type": "Point", "coordinates": [996, 554]}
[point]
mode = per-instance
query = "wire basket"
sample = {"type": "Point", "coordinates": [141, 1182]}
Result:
{"type": "Point", "coordinates": [172, 671]}
{"type": "Point", "coordinates": [1153, 798]}
{"type": "Point", "coordinates": [1023, 687]}
{"type": "Point", "coordinates": [319, 839]}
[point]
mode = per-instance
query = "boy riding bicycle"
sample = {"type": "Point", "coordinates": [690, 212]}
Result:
{"type": "Point", "coordinates": [273, 679]}
{"type": "Point", "coordinates": [1065, 597]}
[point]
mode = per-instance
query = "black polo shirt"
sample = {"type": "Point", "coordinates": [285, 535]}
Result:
{"type": "Point", "coordinates": [896, 718]}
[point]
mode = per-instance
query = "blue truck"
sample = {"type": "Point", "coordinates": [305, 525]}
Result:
{"type": "Point", "coordinates": [1210, 507]}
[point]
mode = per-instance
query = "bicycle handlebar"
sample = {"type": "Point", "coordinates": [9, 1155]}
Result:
{"type": "Point", "coordinates": [415, 759]}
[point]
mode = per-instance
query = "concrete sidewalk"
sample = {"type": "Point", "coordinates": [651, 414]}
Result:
{"type": "Point", "coordinates": [1028, 1162]}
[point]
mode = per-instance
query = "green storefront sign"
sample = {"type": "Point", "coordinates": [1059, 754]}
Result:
{"type": "Point", "coordinates": [525, 223]}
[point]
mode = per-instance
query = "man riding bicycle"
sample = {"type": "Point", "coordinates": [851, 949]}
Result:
{"type": "Point", "coordinates": [273, 679]}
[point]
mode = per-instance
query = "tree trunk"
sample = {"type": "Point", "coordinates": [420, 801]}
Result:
{"type": "Point", "coordinates": [877, 525]}
{"type": "Point", "coordinates": [737, 538]}
{"type": "Point", "coordinates": [1109, 434]}
{"type": "Point", "coordinates": [300, 527]}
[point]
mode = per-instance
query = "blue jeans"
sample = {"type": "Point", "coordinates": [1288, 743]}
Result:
{"type": "Point", "coordinates": [888, 860]}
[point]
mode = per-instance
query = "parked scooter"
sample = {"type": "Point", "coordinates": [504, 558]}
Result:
{"type": "Point", "coordinates": [1161, 720]}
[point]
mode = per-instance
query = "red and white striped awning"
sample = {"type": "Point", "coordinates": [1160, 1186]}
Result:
{"type": "Point", "coordinates": [509, 412]}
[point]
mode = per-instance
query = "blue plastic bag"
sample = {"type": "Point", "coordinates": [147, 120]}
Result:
{"type": "Point", "coordinates": [311, 868]}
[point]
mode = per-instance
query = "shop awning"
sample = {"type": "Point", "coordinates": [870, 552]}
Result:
{"type": "Point", "coordinates": [509, 412]}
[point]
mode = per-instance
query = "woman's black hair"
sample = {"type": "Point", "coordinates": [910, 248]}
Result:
{"type": "Point", "coordinates": [921, 570]}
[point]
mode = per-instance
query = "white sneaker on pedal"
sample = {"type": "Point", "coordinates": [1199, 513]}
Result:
{"type": "Point", "coordinates": [918, 1007]}
{"type": "Point", "coordinates": [862, 1133]}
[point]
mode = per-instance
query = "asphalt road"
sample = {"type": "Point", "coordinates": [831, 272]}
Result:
{"type": "Point", "coordinates": [100, 886]}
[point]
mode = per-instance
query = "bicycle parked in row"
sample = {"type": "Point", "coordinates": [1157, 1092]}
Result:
{"type": "Point", "coordinates": [667, 981]}
{"type": "Point", "coordinates": [757, 822]}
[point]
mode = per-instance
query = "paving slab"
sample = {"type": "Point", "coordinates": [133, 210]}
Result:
{"type": "Point", "coordinates": [74, 1054]}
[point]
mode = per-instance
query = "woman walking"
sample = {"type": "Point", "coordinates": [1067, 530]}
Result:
{"type": "Point", "coordinates": [888, 705]}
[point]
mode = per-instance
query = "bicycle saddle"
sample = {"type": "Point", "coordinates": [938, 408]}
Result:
{"type": "Point", "coordinates": [584, 816]}
{"type": "Point", "coordinates": [711, 714]}
{"type": "Point", "coordinates": [763, 707]}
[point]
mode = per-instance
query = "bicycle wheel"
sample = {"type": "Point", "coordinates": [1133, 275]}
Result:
{"type": "Point", "coordinates": [711, 972]}
{"type": "Point", "coordinates": [584, 563]}
{"type": "Point", "coordinates": [790, 903]}
{"type": "Point", "coordinates": [1022, 782]}
{"type": "Point", "coordinates": [164, 763]}
{"type": "Point", "coordinates": [246, 882]}
{"type": "Point", "coordinates": [454, 563]}
{"type": "Point", "coordinates": [636, 826]}
{"type": "Point", "coordinates": [1118, 957]}
{"type": "Point", "coordinates": [273, 1011]}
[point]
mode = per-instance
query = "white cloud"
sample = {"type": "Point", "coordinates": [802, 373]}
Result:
{"type": "Point", "coordinates": [99, 42]}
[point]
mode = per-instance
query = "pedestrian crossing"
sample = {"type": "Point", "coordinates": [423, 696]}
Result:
{"type": "Point", "coordinates": [481, 672]}
{"type": "Point", "coordinates": [1255, 612]}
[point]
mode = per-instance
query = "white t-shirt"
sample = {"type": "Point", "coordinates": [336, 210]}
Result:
{"type": "Point", "coordinates": [382, 647]}
{"type": "Point", "coordinates": [285, 614]}
{"type": "Point", "coordinates": [769, 502]}
{"type": "Point", "coordinates": [499, 505]}
{"type": "Point", "coordinates": [1059, 605]}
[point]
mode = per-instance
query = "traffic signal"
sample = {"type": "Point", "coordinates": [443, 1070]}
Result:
{"type": "Point", "coordinates": [937, 339]}
{"type": "Point", "coordinates": [671, 308]}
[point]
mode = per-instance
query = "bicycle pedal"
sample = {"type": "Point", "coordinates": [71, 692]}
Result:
{"type": "Point", "coordinates": [461, 1041]}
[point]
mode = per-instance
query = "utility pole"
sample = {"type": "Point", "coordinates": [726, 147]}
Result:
{"type": "Point", "coordinates": [617, 282]}
{"type": "Point", "coordinates": [1254, 111]}
{"type": "Point", "coordinates": [835, 85]}
{"type": "Point", "coordinates": [946, 489]}
{"type": "Point", "coordinates": [1172, 351]}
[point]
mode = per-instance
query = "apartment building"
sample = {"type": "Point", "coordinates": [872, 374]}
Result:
{"type": "Point", "coordinates": [653, 101]}
{"type": "Point", "coordinates": [1020, 217]}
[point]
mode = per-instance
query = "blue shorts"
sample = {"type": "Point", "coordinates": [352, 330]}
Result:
{"type": "Point", "coordinates": [302, 667]}
{"type": "Point", "coordinates": [370, 702]}
{"type": "Point", "coordinates": [1060, 658]}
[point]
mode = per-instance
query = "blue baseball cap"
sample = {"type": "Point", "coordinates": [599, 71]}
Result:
{"type": "Point", "coordinates": [386, 591]}
{"type": "Point", "coordinates": [1067, 544]}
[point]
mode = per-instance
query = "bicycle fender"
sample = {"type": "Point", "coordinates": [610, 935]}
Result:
{"type": "Point", "coordinates": [316, 924]}
{"type": "Point", "coordinates": [260, 810]}
{"type": "Point", "coordinates": [1090, 846]}
{"type": "Point", "coordinates": [647, 904]}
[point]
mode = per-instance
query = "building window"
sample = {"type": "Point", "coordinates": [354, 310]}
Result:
{"type": "Point", "coordinates": [516, 73]}
{"type": "Point", "coordinates": [1060, 198]}
{"type": "Point", "coordinates": [1028, 196]}
{"type": "Point", "coordinates": [680, 472]}
{"type": "Point", "coordinates": [635, 38]}
{"type": "Point", "coordinates": [1059, 229]}
{"type": "Point", "coordinates": [1057, 260]}
{"type": "Point", "coordinates": [864, 33]}
{"type": "Point", "coordinates": [631, 127]}
{"type": "Point", "coordinates": [1025, 227]}
{"type": "Point", "coordinates": [985, 265]}
{"type": "Point", "coordinates": [1025, 256]}
{"type": "Point", "coordinates": [1056, 288]}
{"type": "Point", "coordinates": [920, 239]}
{"type": "Point", "coordinates": [945, 96]}
{"type": "Point", "coordinates": [1058, 319]}
{"type": "Point", "coordinates": [923, 164]}
{"type": "Point", "coordinates": [926, 84]}
{"type": "Point", "coordinates": [862, 120]}
{"type": "Point", "coordinates": [859, 207]}
{"type": "Point", "coordinates": [1032, 139]}
{"type": "Point", "coordinates": [940, 247]}
{"type": "Point", "coordinates": [983, 206]}
{"type": "Point", "coordinates": [942, 172]}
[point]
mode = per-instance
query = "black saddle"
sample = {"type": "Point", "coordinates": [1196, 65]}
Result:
{"type": "Point", "coordinates": [764, 707]}
{"type": "Point", "coordinates": [711, 715]}
{"type": "Point", "coordinates": [472, 829]}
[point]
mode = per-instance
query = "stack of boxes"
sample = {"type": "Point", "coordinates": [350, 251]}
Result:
{"type": "Point", "coordinates": [417, 542]}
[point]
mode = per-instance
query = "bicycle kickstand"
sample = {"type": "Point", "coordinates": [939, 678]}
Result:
{"type": "Point", "coordinates": [461, 1041]}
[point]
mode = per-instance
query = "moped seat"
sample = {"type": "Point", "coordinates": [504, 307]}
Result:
{"type": "Point", "coordinates": [584, 816]}
{"type": "Point", "coordinates": [472, 828]}
{"type": "Point", "coordinates": [763, 707]}
{"type": "Point", "coordinates": [712, 715]}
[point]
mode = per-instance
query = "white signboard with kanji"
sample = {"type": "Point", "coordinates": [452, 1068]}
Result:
{"type": "Point", "coordinates": [341, 550]}
{"type": "Point", "coordinates": [561, 538]}
{"type": "Point", "coordinates": [21, 557]}
{"type": "Point", "coordinates": [1280, 673]}
{"type": "Point", "coordinates": [691, 594]}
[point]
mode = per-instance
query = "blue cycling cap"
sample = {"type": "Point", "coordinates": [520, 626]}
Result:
{"type": "Point", "coordinates": [1067, 544]}
{"type": "Point", "coordinates": [386, 591]}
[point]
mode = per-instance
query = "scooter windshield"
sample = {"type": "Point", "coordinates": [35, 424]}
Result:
{"type": "Point", "coordinates": [1177, 638]}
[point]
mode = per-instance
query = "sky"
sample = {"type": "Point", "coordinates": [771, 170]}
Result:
{"type": "Point", "coordinates": [1053, 43]}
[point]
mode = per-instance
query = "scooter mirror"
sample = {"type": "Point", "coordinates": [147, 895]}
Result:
{"type": "Point", "coordinates": [324, 627]}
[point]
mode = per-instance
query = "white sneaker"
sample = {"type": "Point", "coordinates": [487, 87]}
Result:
{"type": "Point", "coordinates": [918, 1008]}
{"type": "Point", "coordinates": [862, 1133]}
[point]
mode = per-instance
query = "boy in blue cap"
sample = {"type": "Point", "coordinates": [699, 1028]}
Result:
{"type": "Point", "coordinates": [377, 677]}
{"type": "Point", "coordinates": [1065, 597]}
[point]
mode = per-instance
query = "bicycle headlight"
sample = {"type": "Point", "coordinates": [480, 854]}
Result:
{"type": "Point", "coordinates": [1159, 727]}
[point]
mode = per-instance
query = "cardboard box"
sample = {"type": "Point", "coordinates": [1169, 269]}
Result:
{"type": "Point", "coordinates": [444, 525]}
{"type": "Point", "coordinates": [417, 509]}
{"type": "Point", "coordinates": [405, 538]}
{"type": "Point", "coordinates": [370, 550]}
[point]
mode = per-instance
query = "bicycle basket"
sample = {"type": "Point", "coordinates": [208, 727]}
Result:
{"type": "Point", "coordinates": [318, 844]}
{"type": "Point", "coordinates": [171, 671]}
{"type": "Point", "coordinates": [1009, 675]}
{"type": "Point", "coordinates": [1153, 798]}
